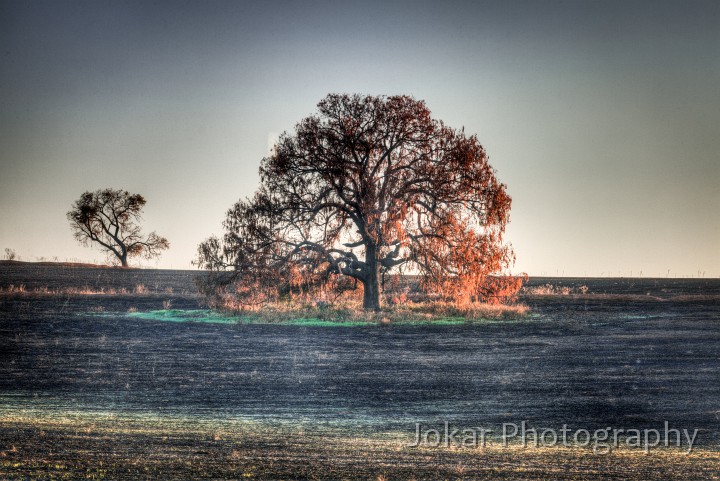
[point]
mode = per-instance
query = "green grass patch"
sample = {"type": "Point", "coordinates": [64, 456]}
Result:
{"type": "Point", "coordinates": [218, 317]}
{"type": "Point", "coordinates": [343, 314]}
{"type": "Point", "coordinates": [180, 315]}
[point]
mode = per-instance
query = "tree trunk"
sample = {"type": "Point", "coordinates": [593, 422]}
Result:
{"type": "Point", "coordinates": [371, 283]}
{"type": "Point", "coordinates": [123, 260]}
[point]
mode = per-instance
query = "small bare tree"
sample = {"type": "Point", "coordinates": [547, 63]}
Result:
{"type": "Point", "coordinates": [109, 218]}
{"type": "Point", "coordinates": [9, 254]}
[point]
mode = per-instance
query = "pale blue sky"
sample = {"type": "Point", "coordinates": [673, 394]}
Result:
{"type": "Point", "coordinates": [603, 118]}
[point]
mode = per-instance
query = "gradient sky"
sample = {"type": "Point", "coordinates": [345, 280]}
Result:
{"type": "Point", "coordinates": [603, 118]}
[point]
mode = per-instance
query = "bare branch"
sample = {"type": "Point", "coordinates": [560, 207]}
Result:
{"type": "Point", "coordinates": [108, 217]}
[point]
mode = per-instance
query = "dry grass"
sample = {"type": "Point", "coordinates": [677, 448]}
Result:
{"type": "Point", "coordinates": [352, 311]}
{"type": "Point", "coordinates": [615, 297]}
{"type": "Point", "coordinates": [552, 290]}
{"type": "Point", "coordinates": [583, 293]}
{"type": "Point", "coordinates": [108, 446]}
{"type": "Point", "coordinates": [13, 289]}
{"type": "Point", "coordinates": [476, 310]}
{"type": "Point", "coordinates": [138, 290]}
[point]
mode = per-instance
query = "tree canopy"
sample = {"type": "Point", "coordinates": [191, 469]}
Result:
{"type": "Point", "coordinates": [367, 186]}
{"type": "Point", "coordinates": [109, 219]}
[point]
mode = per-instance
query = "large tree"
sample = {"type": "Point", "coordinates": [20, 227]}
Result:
{"type": "Point", "coordinates": [366, 186]}
{"type": "Point", "coordinates": [109, 218]}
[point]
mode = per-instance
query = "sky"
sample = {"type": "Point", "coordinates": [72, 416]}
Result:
{"type": "Point", "coordinates": [602, 118]}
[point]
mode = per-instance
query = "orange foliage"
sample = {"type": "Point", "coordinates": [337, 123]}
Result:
{"type": "Point", "coordinates": [368, 186]}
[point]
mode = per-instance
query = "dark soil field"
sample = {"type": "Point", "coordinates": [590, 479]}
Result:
{"type": "Point", "coordinates": [123, 374]}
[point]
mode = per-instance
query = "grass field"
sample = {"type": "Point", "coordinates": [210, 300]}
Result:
{"type": "Point", "coordinates": [103, 379]}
